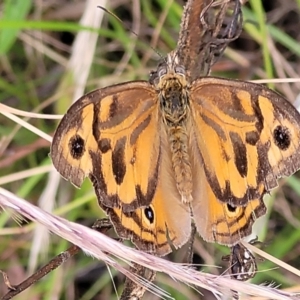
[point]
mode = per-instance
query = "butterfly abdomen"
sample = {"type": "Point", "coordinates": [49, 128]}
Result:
{"type": "Point", "coordinates": [178, 140]}
{"type": "Point", "coordinates": [175, 114]}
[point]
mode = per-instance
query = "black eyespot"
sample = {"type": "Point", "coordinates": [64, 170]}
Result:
{"type": "Point", "coordinates": [231, 208]}
{"type": "Point", "coordinates": [282, 137]}
{"type": "Point", "coordinates": [76, 146]}
{"type": "Point", "coordinates": [149, 214]}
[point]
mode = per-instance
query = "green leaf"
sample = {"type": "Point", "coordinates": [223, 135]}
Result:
{"type": "Point", "coordinates": [13, 10]}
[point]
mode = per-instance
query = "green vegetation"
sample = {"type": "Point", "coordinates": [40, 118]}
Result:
{"type": "Point", "coordinates": [36, 76]}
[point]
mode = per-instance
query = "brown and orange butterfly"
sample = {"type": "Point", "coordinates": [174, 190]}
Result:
{"type": "Point", "coordinates": [164, 152]}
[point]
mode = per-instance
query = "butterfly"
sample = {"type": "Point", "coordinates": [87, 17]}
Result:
{"type": "Point", "coordinates": [179, 148]}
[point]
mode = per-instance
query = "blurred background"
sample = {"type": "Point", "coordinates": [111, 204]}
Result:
{"type": "Point", "coordinates": [43, 70]}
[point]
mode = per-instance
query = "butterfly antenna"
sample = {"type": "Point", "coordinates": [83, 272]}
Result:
{"type": "Point", "coordinates": [129, 29]}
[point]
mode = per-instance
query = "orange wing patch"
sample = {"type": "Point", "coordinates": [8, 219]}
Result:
{"type": "Point", "coordinates": [154, 228]}
{"type": "Point", "coordinates": [249, 137]}
{"type": "Point", "coordinates": [221, 222]}
{"type": "Point", "coordinates": [106, 135]}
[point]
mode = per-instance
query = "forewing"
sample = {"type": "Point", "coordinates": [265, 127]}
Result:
{"type": "Point", "coordinates": [110, 135]}
{"type": "Point", "coordinates": [247, 137]}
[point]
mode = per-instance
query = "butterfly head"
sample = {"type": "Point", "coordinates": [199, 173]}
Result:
{"type": "Point", "coordinates": [170, 82]}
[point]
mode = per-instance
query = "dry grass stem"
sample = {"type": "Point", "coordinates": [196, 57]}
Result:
{"type": "Point", "coordinates": [107, 250]}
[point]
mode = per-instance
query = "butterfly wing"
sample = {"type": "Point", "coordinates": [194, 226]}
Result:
{"type": "Point", "coordinates": [156, 227]}
{"type": "Point", "coordinates": [165, 222]}
{"type": "Point", "coordinates": [106, 135]}
{"type": "Point", "coordinates": [245, 138]}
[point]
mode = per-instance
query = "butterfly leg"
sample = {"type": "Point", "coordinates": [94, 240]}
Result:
{"type": "Point", "coordinates": [102, 225]}
{"type": "Point", "coordinates": [133, 290]}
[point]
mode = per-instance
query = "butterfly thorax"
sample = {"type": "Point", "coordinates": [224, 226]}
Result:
{"type": "Point", "coordinates": [173, 100]}
{"type": "Point", "coordinates": [172, 87]}
{"type": "Point", "coordinates": [174, 106]}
